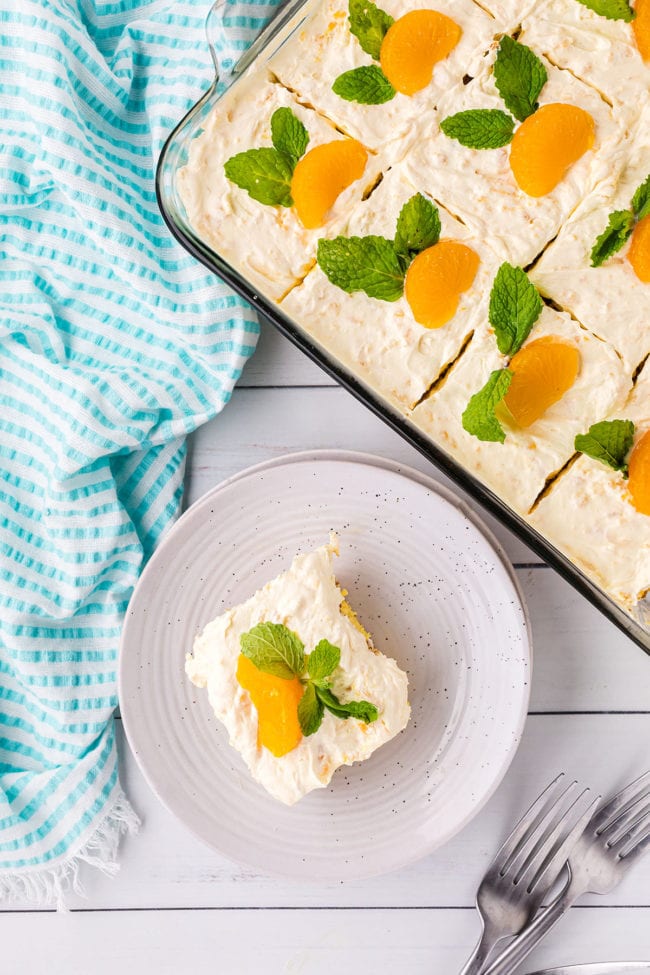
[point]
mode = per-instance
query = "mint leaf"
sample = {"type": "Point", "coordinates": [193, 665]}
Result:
{"type": "Point", "coordinates": [479, 418]}
{"type": "Point", "coordinates": [480, 128]}
{"type": "Point", "coordinates": [519, 76]}
{"type": "Point", "coordinates": [369, 25]}
{"type": "Point", "coordinates": [361, 710]}
{"type": "Point", "coordinates": [612, 9]}
{"type": "Point", "coordinates": [288, 134]}
{"type": "Point", "coordinates": [609, 442]}
{"type": "Point", "coordinates": [264, 173]}
{"type": "Point", "coordinates": [618, 229]}
{"type": "Point", "coordinates": [418, 226]}
{"type": "Point", "coordinates": [641, 200]}
{"type": "Point", "coordinates": [310, 711]}
{"type": "Point", "coordinates": [367, 85]}
{"type": "Point", "coordinates": [274, 649]}
{"type": "Point", "coordinates": [368, 264]}
{"type": "Point", "coordinates": [515, 306]}
{"type": "Point", "coordinates": [323, 660]}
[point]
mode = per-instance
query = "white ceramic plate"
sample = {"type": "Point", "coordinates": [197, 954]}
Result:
{"type": "Point", "coordinates": [435, 590]}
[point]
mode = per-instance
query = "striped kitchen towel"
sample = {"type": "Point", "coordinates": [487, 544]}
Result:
{"type": "Point", "coordinates": [114, 345]}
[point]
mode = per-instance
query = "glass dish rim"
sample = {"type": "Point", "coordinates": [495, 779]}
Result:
{"type": "Point", "coordinates": [179, 138]}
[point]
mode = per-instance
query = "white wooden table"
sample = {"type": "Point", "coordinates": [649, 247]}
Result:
{"type": "Point", "coordinates": [177, 908]}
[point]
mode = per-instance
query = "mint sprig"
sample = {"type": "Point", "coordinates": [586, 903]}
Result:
{"type": "Point", "coordinates": [310, 711]}
{"type": "Point", "coordinates": [362, 710]}
{"type": "Point", "coordinates": [479, 417]}
{"type": "Point", "coordinates": [609, 441]}
{"type": "Point", "coordinates": [480, 128]}
{"type": "Point", "coordinates": [418, 226]}
{"type": "Point", "coordinates": [288, 134]}
{"type": "Point", "coordinates": [369, 264]}
{"type": "Point", "coordinates": [323, 660]}
{"type": "Point", "coordinates": [369, 24]}
{"type": "Point", "coordinates": [266, 173]}
{"type": "Point", "coordinates": [519, 76]}
{"type": "Point", "coordinates": [620, 225]}
{"type": "Point", "coordinates": [367, 85]}
{"type": "Point", "coordinates": [515, 306]}
{"type": "Point", "coordinates": [641, 200]}
{"type": "Point", "coordinates": [375, 265]}
{"type": "Point", "coordinates": [275, 649]}
{"type": "Point", "coordinates": [612, 9]}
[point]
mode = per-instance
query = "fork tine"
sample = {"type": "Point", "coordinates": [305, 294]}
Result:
{"type": "Point", "coordinates": [635, 829]}
{"type": "Point", "coordinates": [629, 856]}
{"type": "Point", "coordinates": [550, 868]}
{"type": "Point", "coordinates": [536, 835]}
{"type": "Point", "coordinates": [610, 812]}
{"type": "Point", "coordinates": [526, 822]}
{"type": "Point", "coordinates": [623, 822]}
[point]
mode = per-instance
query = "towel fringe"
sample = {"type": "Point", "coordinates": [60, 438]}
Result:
{"type": "Point", "coordinates": [47, 887]}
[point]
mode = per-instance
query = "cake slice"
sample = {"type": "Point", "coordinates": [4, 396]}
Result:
{"type": "Point", "coordinates": [589, 513]}
{"type": "Point", "coordinates": [345, 38]}
{"type": "Point", "coordinates": [230, 191]}
{"type": "Point", "coordinates": [603, 51]}
{"type": "Point", "coordinates": [518, 469]}
{"type": "Point", "coordinates": [610, 300]}
{"type": "Point", "coordinates": [479, 186]}
{"type": "Point", "coordinates": [337, 702]}
{"type": "Point", "coordinates": [381, 340]}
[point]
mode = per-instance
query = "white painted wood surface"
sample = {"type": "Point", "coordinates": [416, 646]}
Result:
{"type": "Point", "coordinates": [176, 907]}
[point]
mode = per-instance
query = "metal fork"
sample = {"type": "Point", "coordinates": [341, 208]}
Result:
{"type": "Point", "coordinates": [609, 968]}
{"type": "Point", "coordinates": [615, 837]}
{"type": "Point", "coordinates": [528, 865]}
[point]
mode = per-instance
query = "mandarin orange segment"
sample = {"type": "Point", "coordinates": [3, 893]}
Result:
{"type": "Point", "coordinates": [641, 27]}
{"type": "Point", "coordinates": [639, 252]}
{"type": "Point", "coordinates": [542, 371]}
{"type": "Point", "coordinates": [276, 702]}
{"type": "Point", "coordinates": [321, 176]}
{"type": "Point", "coordinates": [547, 144]}
{"type": "Point", "coordinates": [436, 279]}
{"type": "Point", "coordinates": [639, 475]}
{"type": "Point", "coordinates": [412, 47]}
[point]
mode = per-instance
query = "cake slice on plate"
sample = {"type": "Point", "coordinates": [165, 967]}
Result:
{"type": "Point", "coordinates": [296, 680]}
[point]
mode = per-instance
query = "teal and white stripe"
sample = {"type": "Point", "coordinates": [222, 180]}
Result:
{"type": "Point", "coordinates": [114, 345]}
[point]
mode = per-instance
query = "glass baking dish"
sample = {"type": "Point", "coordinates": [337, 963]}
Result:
{"type": "Point", "coordinates": [278, 31]}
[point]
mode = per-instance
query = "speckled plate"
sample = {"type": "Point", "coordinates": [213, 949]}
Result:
{"type": "Point", "coordinates": [433, 587]}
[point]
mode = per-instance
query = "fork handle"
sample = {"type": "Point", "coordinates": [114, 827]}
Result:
{"type": "Point", "coordinates": [512, 956]}
{"type": "Point", "coordinates": [476, 962]}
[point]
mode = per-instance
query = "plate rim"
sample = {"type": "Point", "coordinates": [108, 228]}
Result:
{"type": "Point", "coordinates": [367, 459]}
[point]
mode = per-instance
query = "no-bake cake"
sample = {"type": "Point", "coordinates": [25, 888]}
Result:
{"type": "Point", "coordinates": [453, 201]}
